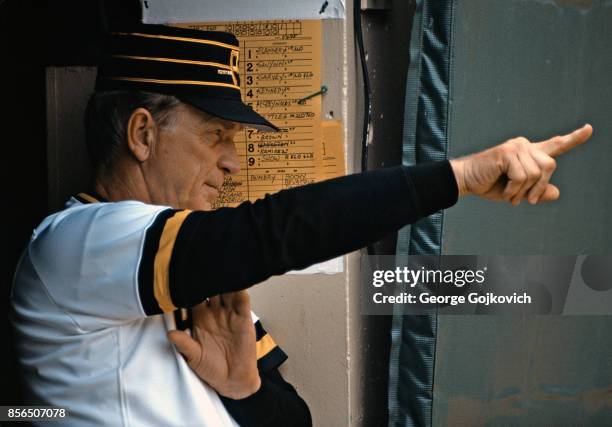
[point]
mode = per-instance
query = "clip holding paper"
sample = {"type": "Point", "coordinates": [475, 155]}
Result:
{"type": "Point", "coordinates": [312, 95]}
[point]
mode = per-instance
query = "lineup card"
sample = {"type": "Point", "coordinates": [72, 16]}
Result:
{"type": "Point", "coordinates": [280, 64]}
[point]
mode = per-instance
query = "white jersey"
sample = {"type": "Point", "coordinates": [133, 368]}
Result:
{"type": "Point", "coordinates": [84, 341]}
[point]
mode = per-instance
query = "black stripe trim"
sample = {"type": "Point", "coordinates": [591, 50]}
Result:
{"type": "Point", "coordinates": [219, 36]}
{"type": "Point", "coordinates": [81, 199]}
{"type": "Point", "coordinates": [259, 330]}
{"type": "Point", "coordinates": [92, 194]}
{"type": "Point", "coordinates": [272, 360]}
{"type": "Point", "coordinates": [147, 262]}
{"type": "Point", "coordinates": [178, 319]}
{"type": "Point", "coordinates": [147, 69]}
{"type": "Point", "coordinates": [178, 39]}
{"type": "Point", "coordinates": [97, 197]}
{"type": "Point", "coordinates": [103, 83]}
{"type": "Point", "coordinates": [144, 47]}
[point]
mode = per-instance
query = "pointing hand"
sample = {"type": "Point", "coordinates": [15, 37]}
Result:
{"type": "Point", "coordinates": [517, 169]}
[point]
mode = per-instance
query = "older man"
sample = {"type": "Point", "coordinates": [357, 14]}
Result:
{"type": "Point", "coordinates": [104, 284]}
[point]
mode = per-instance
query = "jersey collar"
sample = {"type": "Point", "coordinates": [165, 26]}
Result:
{"type": "Point", "coordinates": [90, 198]}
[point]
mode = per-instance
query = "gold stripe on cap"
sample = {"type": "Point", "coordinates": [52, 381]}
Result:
{"type": "Point", "coordinates": [264, 346]}
{"type": "Point", "coordinates": [178, 61]}
{"type": "Point", "coordinates": [181, 39]}
{"type": "Point", "coordinates": [161, 265]}
{"type": "Point", "coordinates": [175, 82]}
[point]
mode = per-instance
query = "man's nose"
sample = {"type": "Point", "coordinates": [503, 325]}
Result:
{"type": "Point", "coordinates": [229, 162]}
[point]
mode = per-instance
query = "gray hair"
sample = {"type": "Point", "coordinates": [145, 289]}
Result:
{"type": "Point", "coordinates": [107, 116]}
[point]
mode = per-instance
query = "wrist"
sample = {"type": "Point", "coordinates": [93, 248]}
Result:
{"type": "Point", "coordinates": [458, 166]}
{"type": "Point", "coordinates": [243, 389]}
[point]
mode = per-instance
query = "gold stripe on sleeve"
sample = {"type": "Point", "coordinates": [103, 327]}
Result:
{"type": "Point", "coordinates": [161, 266]}
{"type": "Point", "coordinates": [264, 346]}
{"type": "Point", "coordinates": [181, 39]}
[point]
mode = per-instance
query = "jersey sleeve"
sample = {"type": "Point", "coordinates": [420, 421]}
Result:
{"type": "Point", "coordinates": [202, 254]}
{"type": "Point", "coordinates": [112, 262]}
{"type": "Point", "coordinates": [92, 260]}
{"type": "Point", "coordinates": [269, 355]}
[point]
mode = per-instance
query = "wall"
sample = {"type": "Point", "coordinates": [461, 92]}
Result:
{"type": "Point", "coordinates": [310, 315]}
{"type": "Point", "coordinates": [536, 69]}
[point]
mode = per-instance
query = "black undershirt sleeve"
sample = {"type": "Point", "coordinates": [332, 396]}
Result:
{"type": "Point", "coordinates": [276, 403]}
{"type": "Point", "coordinates": [230, 249]}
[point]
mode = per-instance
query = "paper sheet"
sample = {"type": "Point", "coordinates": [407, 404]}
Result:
{"type": "Point", "coordinates": [280, 64]}
{"type": "Point", "coordinates": [332, 149]}
{"type": "Point", "coordinates": [172, 11]}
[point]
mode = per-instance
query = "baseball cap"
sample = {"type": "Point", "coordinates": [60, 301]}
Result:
{"type": "Point", "coordinates": [198, 67]}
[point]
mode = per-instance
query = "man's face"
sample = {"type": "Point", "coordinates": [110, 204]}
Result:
{"type": "Point", "coordinates": [192, 156]}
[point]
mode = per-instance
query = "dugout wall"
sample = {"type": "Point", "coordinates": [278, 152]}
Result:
{"type": "Point", "coordinates": [480, 72]}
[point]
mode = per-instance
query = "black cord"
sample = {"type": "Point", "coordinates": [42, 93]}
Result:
{"type": "Point", "coordinates": [367, 117]}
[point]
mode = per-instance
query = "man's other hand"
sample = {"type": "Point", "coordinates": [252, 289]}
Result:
{"type": "Point", "coordinates": [222, 349]}
{"type": "Point", "coordinates": [517, 169]}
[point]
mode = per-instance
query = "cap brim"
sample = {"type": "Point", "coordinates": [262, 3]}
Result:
{"type": "Point", "coordinates": [229, 109]}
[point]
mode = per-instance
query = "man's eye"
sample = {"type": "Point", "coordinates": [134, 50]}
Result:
{"type": "Point", "coordinates": [216, 133]}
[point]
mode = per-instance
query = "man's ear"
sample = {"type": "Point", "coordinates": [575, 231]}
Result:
{"type": "Point", "coordinates": [141, 134]}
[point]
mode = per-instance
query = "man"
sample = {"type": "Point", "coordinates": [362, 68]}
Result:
{"type": "Point", "coordinates": [103, 285]}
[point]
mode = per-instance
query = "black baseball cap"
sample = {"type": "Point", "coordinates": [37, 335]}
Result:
{"type": "Point", "coordinates": [198, 67]}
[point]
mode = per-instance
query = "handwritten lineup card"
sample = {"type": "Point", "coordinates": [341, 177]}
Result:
{"type": "Point", "coordinates": [280, 64]}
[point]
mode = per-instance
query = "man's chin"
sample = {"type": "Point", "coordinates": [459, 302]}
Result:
{"type": "Point", "coordinates": [199, 204]}
{"type": "Point", "coordinates": [205, 204]}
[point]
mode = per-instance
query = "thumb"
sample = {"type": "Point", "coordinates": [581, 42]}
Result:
{"type": "Point", "coordinates": [186, 346]}
{"type": "Point", "coordinates": [551, 193]}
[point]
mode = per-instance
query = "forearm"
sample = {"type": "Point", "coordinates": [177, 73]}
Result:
{"type": "Point", "coordinates": [276, 403]}
{"type": "Point", "coordinates": [233, 248]}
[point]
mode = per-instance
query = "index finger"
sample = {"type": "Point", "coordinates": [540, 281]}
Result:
{"type": "Point", "coordinates": [560, 144]}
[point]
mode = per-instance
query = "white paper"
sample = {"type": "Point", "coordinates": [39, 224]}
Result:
{"type": "Point", "coordinates": [332, 266]}
{"type": "Point", "coordinates": [172, 11]}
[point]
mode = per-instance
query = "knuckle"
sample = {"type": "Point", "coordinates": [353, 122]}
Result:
{"type": "Point", "coordinates": [521, 141]}
{"type": "Point", "coordinates": [510, 148]}
{"type": "Point", "coordinates": [505, 147]}
{"type": "Point", "coordinates": [551, 164]}
{"type": "Point", "coordinates": [515, 143]}
{"type": "Point", "coordinates": [535, 174]}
